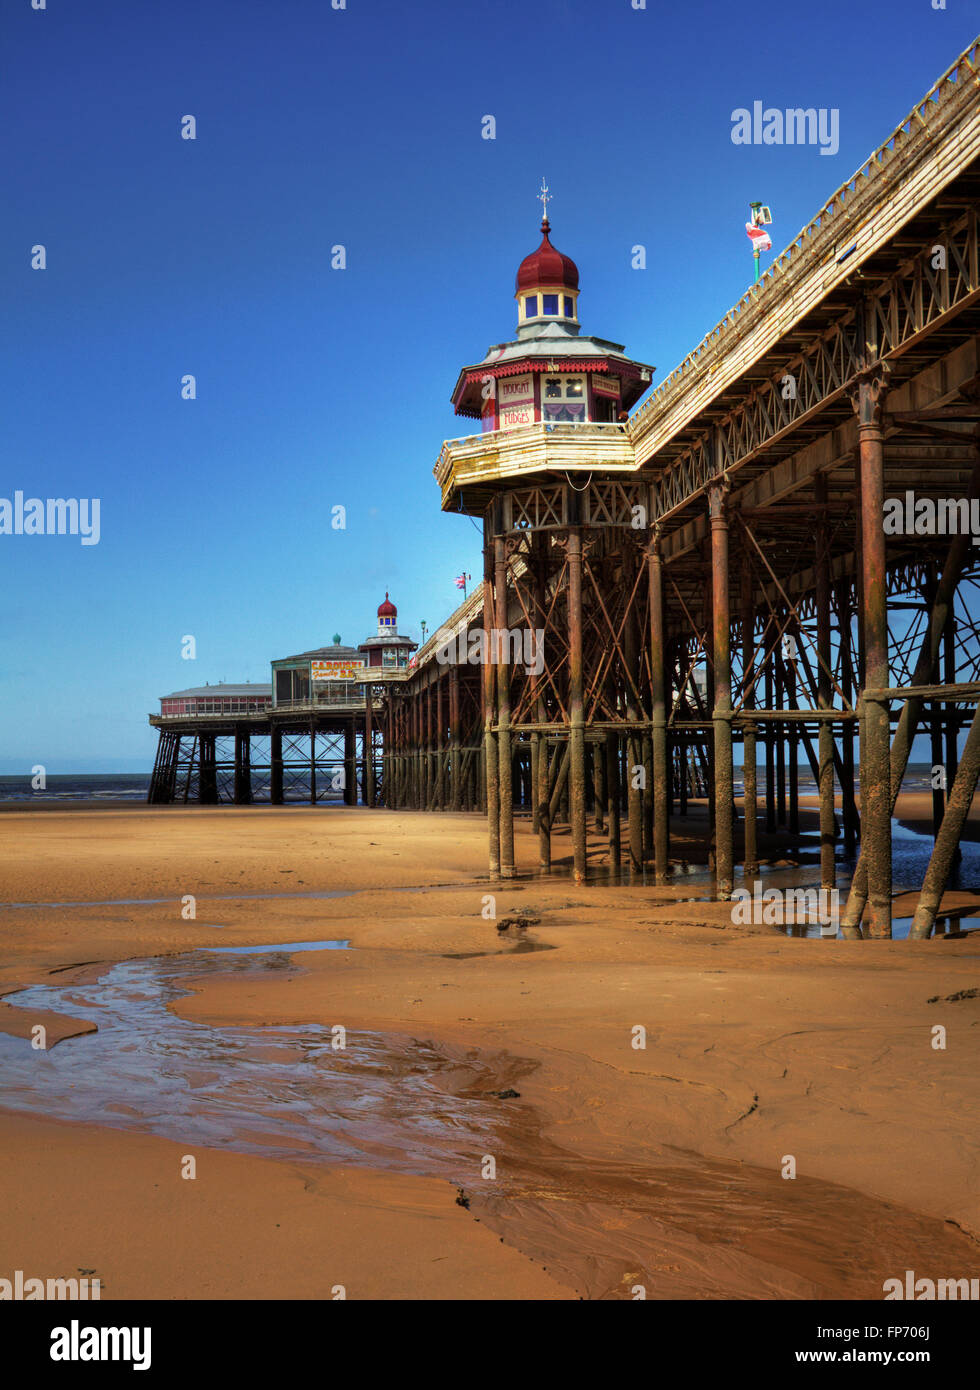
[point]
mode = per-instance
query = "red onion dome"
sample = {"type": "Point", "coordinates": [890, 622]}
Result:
{"type": "Point", "coordinates": [546, 266]}
{"type": "Point", "coordinates": [387, 609]}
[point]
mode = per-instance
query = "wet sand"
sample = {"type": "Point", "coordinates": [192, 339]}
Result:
{"type": "Point", "coordinates": [615, 1165]}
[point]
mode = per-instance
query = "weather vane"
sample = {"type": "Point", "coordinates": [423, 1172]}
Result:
{"type": "Point", "coordinates": [545, 200]}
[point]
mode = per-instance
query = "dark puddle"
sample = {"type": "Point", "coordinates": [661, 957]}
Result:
{"type": "Point", "coordinates": [383, 1100]}
{"type": "Point", "coordinates": [519, 948]}
{"type": "Point", "coordinates": [679, 1224]}
{"type": "Point", "coordinates": [287, 946]}
{"type": "Point", "coordinates": [205, 897]}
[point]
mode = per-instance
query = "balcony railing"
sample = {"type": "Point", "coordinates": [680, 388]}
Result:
{"type": "Point", "coordinates": [510, 453]}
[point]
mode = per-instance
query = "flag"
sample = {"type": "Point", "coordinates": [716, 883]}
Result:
{"type": "Point", "coordinates": [759, 237]}
{"type": "Point", "coordinates": [461, 581]}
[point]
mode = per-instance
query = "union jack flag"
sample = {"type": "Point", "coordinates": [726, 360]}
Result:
{"type": "Point", "coordinates": [461, 581]}
{"type": "Point", "coordinates": [759, 237]}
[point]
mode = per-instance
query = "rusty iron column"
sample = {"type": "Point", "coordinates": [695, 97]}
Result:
{"type": "Point", "coordinates": [658, 711]}
{"type": "Point", "coordinates": [634, 765]}
{"type": "Point", "coordinates": [576, 707]}
{"type": "Point", "coordinates": [722, 707]}
{"type": "Point", "coordinates": [415, 735]}
{"type": "Point", "coordinates": [543, 794]}
{"type": "Point", "coordinates": [779, 676]}
{"type": "Point", "coordinates": [429, 726]}
{"type": "Point", "coordinates": [207, 772]}
{"type": "Point", "coordinates": [599, 786]}
{"type": "Point", "coordinates": [541, 788]}
{"type": "Point", "coordinates": [849, 808]}
{"type": "Point", "coordinates": [505, 767]}
{"type": "Point", "coordinates": [350, 762]}
{"type": "Point", "coordinates": [455, 770]}
{"type": "Point", "coordinates": [613, 800]}
{"type": "Point", "coordinates": [440, 746]}
{"type": "Point", "coordinates": [750, 866]}
{"type": "Point", "coordinates": [368, 747]}
{"type": "Point", "coordinates": [792, 731]}
{"type": "Point", "coordinates": [769, 733]}
{"type": "Point", "coordinates": [275, 758]}
{"type": "Point", "coordinates": [703, 753]}
{"type": "Point", "coordinates": [538, 746]}
{"type": "Point", "coordinates": [947, 841]}
{"type": "Point", "coordinates": [875, 731]}
{"type": "Point", "coordinates": [313, 792]}
{"type": "Point", "coordinates": [908, 720]}
{"type": "Point", "coordinates": [243, 768]}
{"type": "Point", "coordinates": [825, 734]}
{"type": "Point", "coordinates": [490, 761]}
{"type": "Point", "coordinates": [952, 712]}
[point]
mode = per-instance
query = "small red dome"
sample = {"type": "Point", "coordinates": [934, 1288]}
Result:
{"type": "Point", "coordinates": [387, 609]}
{"type": "Point", "coordinates": [546, 266]}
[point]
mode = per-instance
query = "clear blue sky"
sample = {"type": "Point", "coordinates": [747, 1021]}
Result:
{"type": "Point", "coordinates": [319, 387]}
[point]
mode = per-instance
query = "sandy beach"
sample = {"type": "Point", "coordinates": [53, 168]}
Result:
{"type": "Point", "coordinates": [626, 1158]}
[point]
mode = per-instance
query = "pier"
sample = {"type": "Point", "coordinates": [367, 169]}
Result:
{"type": "Point", "coordinates": [712, 570]}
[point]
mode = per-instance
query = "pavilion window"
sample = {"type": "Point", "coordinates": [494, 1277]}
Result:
{"type": "Point", "coordinates": [569, 307]}
{"type": "Point", "coordinates": [564, 399]}
{"type": "Point", "coordinates": [549, 304]}
{"type": "Point", "coordinates": [531, 306]}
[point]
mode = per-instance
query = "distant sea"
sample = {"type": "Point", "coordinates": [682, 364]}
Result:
{"type": "Point", "coordinates": [90, 786]}
{"type": "Point", "coordinates": [134, 786]}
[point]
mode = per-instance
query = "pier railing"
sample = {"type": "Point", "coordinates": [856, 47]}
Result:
{"type": "Point", "coordinates": [939, 138]}
{"type": "Point", "coordinates": [563, 446]}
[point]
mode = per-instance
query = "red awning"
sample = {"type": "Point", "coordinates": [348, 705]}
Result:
{"type": "Point", "coordinates": [538, 365]}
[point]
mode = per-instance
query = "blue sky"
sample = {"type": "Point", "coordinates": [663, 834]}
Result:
{"type": "Point", "coordinates": [318, 387]}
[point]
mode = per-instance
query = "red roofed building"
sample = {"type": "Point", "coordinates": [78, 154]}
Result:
{"type": "Point", "coordinates": [549, 373]}
{"type": "Point", "coordinates": [386, 648]}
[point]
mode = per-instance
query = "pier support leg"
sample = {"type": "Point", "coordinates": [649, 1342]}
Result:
{"type": "Point", "coordinates": [505, 762]}
{"type": "Point", "coordinates": [489, 704]}
{"type": "Point", "coordinates": [599, 786]}
{"type": "Point", "coordinates": [613, 794]}
{"type": "Point", "coordinates": [576, 733]}
{"type": "Point", "coordinates": [721, 647]}
{"type": "Point", "coordinates": [368, 748]}
{"type": "Point", "coordinates": [875, 732]}
{"type": "Point", "coordinates": [942, 859]}
{"type": "Point", "coordinates": [848, 684]}
{"type": "Point", "coordinates": [455, 752]}
{"type": "Point", "coordinates": [825, 758]}
{"type": "Point", "coordinates": [908, 720]}
{"type": "Point", "coordinates": [243, 768]}
{"type": "Point", "coordinates": [350, 763]}
{"type": "Point", "coordinates": [658, 700]}
{"type": "Point", "coordinates": [207, 774]}
{"type": "Point", "coordinates": [750, 866]}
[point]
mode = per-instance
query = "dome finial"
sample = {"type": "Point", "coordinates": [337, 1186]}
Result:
{"type": "Point", "coordinates": [545, 200]}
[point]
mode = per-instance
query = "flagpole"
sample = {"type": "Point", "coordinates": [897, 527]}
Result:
{"type": "Point", "coordinates": [756, 256]}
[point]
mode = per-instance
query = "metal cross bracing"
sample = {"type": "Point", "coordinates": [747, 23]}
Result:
{"type": "Point", "coordinates": [268, 759]}
{"type": "Point", "coordinates": [433, 747]}
{"type": "Point", "coordinates": [736, 584]}
{"type": "Point", "coordinates": [887, 326]}
{"type": "Point", "coordinates": [762, 638]}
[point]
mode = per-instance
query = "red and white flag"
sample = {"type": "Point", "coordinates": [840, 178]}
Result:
{"type": "Point", "coordinates": [759, 237]}
{"type": "Point", "coordinates": [461, 581]}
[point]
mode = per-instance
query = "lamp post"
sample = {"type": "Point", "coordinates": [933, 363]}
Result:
{"type": "Point", "coordinates": [760, 217]}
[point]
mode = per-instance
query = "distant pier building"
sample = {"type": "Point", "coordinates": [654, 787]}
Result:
{"type": "Point", "coordinates": [310, 735]}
